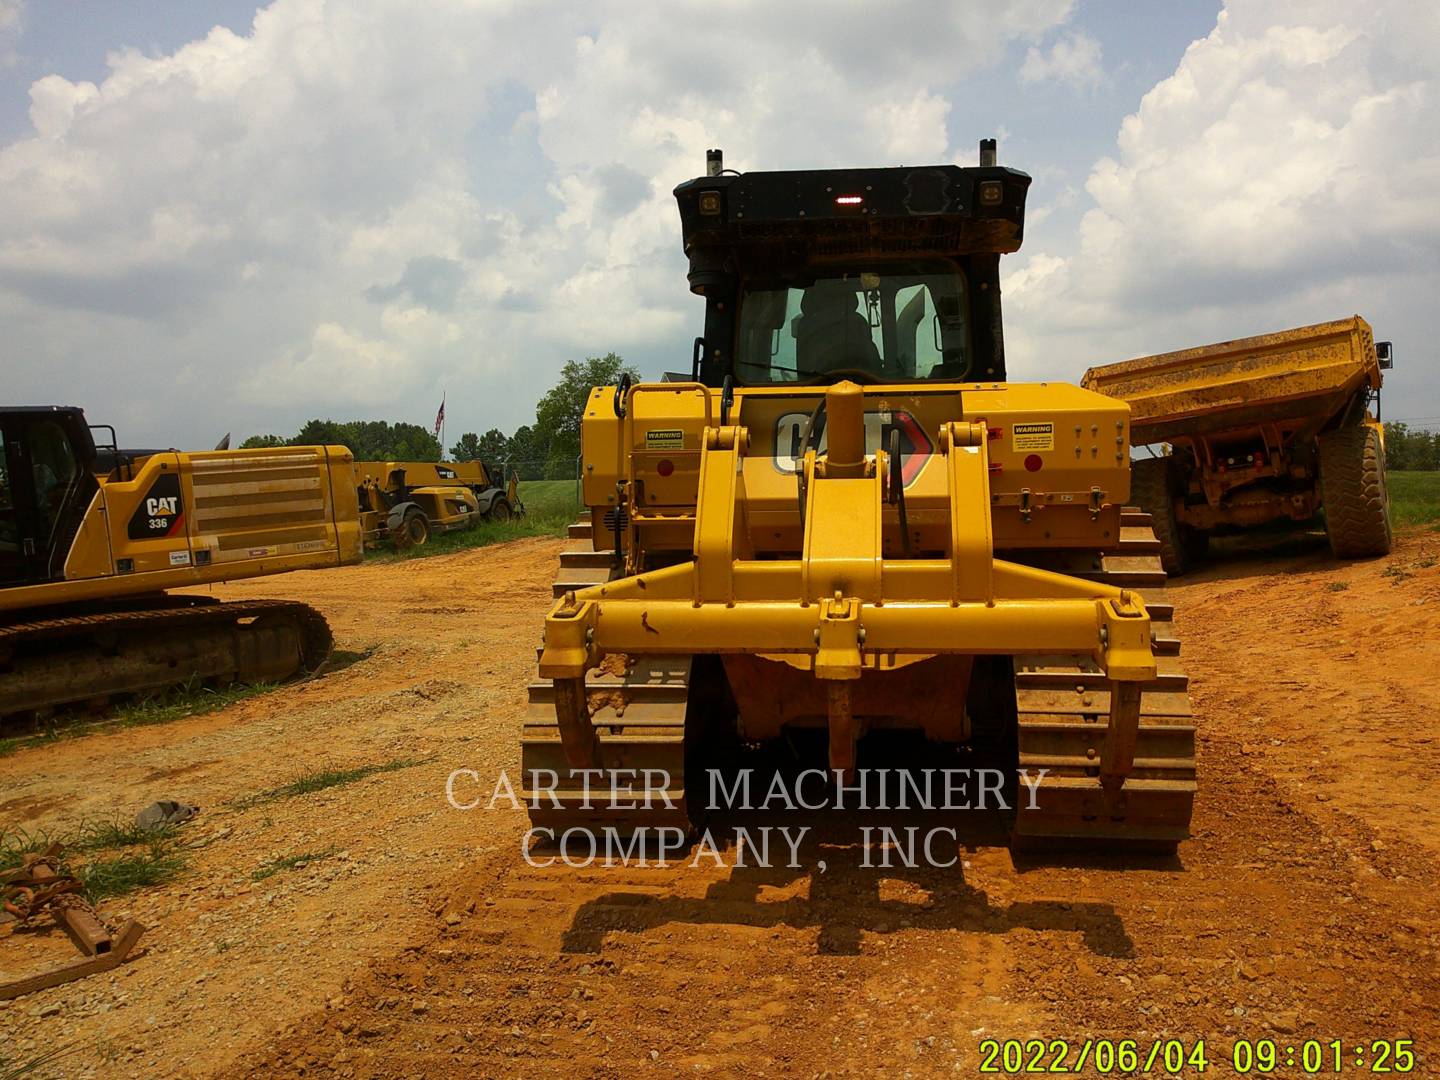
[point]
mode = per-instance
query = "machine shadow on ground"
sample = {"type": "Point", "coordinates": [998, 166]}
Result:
{"type": "Point", "coordinates": [1255, 554]}
{"type": "Point", "coordinates": [841, 888]}
{"type": "Point", "coordinates": [853, 870]}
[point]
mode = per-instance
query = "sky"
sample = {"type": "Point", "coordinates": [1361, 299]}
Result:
{"type": "Point", "coordinates": [222, 218]}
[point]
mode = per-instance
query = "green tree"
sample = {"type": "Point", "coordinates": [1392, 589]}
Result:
{"type": "Point", "coordinates": [372, 440]}
{"type": "Point", "coordinates": [320, 433]}
{"type": "Point", "coordinates": [557, 416]}
{"type": "Point", "coordinates": [493, 445]}
{"type": "Point", "coordinates": [467, 449]}
{"type": "Point", "coordinates": [260, 442]}
{"type": "Point", "coordinates": [1411, 448]}
{"type": "Point", "coordinates": [520, 451]}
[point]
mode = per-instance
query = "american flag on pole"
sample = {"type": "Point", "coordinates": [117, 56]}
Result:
{"type": "Point", "coordinates": [440, 416]}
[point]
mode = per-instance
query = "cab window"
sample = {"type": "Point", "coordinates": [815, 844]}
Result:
{"type": "Point", "coordinates": [7, 500]}
{"type": "Point", "coordinates": [53, 470]}
{"type": "Point", "coordinates": [9, 520]}
{"type": "Point", "coordinates": [894, 323]}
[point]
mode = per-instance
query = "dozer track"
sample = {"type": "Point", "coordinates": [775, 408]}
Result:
{"type": "Point", "coordinates": [92, 656]}
{"type": "Point", "coordinates": [638, 707]}
{"type": "Point", "coordinates": [1063, 702]}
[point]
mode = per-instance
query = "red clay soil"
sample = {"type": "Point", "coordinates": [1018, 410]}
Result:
{"type": "Point", "coordinates": [417, 941]}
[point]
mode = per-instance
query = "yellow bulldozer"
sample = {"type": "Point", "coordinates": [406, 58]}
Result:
{"type": "Point", "coordinates": [93, 538]}
{"type": "Point", "coordinates": [1263, 429]}
{"type": "Point", "coordinates": [844, 520]}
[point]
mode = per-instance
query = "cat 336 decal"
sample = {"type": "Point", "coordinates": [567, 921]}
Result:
{"type": "Point", "coordinates": [162, 511]}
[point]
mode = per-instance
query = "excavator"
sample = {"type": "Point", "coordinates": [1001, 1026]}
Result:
{"type": "Point", "coordinates": [93, 539]}
{"type": "Point", "coordinates": [844, 520]}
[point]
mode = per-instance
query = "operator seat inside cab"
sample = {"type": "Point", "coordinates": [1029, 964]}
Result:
{"type": "Point", "coordinates": [830, 333]}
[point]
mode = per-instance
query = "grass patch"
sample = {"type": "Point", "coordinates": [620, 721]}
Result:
{"type": "Point", "coordinates": [180, 702]}
{"type": "Point", "coordinates": [313, 780]}
{"type": "Point", "coordinates": [551, 500]}
{"type": "Point", "coordinates": [88, 837]}
{"type": "Point", "coordinates": [11, 1069]}
{"type": "Point", "coordinates": [1338, 586]}
{"type": "Point", "coordinates": [114, 835]}
{"type": "Point", "coordinates": [145, 856]}
{"type": "Point", "coordinates": [15, 844]}
{"type": "Point", "coordinates": [131, 870]}
{"type": "Point", "coordinates": [177, 703]}
{"type": "Point", "coordinates": [481, 535]}
{"type": "Point", "coordinates": [291, 862]}
{"type": "Point", "coordinates": [550, 505]}
{"type": "Point", "coordinates": [1414, 497]}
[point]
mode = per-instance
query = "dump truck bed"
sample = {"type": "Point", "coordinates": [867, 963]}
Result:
{"type": "Point", "coordinates": [1308, 373]}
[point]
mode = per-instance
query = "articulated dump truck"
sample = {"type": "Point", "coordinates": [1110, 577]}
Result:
{"type": "Point", "coordinates": [92, 538]}
{"type": "Point", "coordinates": [847, 520]}
{"type": "Point", "coordinates": [1268, 428]}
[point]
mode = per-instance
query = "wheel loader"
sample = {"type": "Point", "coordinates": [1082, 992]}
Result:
{"type": "Point", "coordinates": [846, 521]}
{"type": "Point", "coordinates": [93, 538]}
{"type": "Point", "coordinates": [1267, 428]}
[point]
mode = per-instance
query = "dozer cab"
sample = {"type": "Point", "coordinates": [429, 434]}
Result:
{"type": "Point", "coordinates": [846, 520]}
{"type": "Point", "coordinates": [92, 538]}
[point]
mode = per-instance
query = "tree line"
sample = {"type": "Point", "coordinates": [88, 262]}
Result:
{"type": "Point", "coordinates": [1408, 448]}
{"type": "Point", "coordinates": [368, 440]}
{"type": "Point", "coordinates": [546, 449]}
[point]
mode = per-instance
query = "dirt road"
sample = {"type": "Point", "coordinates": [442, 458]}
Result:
{"type": "Point", "coordinates": [1305, 907]}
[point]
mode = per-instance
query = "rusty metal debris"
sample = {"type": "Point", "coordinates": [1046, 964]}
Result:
{"type": "Point", "coordinates": [44, 885]}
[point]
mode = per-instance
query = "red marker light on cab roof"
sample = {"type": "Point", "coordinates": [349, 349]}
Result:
{"type": "Point", "coordinates": [849, 200]}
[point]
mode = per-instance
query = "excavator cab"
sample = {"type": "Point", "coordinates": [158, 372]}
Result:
{"type": "Point", "coordinates": [45, 487]}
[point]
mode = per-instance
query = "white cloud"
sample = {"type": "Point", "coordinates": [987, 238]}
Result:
{"type": "Point", "coordinates": [11, 21]}
{"type": "Point", "coordinates": [357, 206]}
{"type": "Point", "coordinates": [1288, 171]}
{"type": "Point", "coordinates": [368, 203]}
{"type": "Point", "coordinates": [1074, 59]}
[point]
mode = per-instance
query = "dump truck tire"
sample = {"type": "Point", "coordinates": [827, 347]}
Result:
{"type": "Point", "coordinates": [1151, 489]}
{"type": "Point", "coordinates": [1352, 492]}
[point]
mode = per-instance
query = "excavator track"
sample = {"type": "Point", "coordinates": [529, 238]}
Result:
{"type": "Point", "coordinates": [638, 706]}
{"type": "Point", "coordinates": [92, 656]}
{"type": "Point", "coordinates": [1062, 704]}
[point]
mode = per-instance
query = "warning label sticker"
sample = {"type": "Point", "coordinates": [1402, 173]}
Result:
{"type": "Point", "coordinates": [1032, 436]}
{"type": "Point", "coordinates": [665, 439]}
